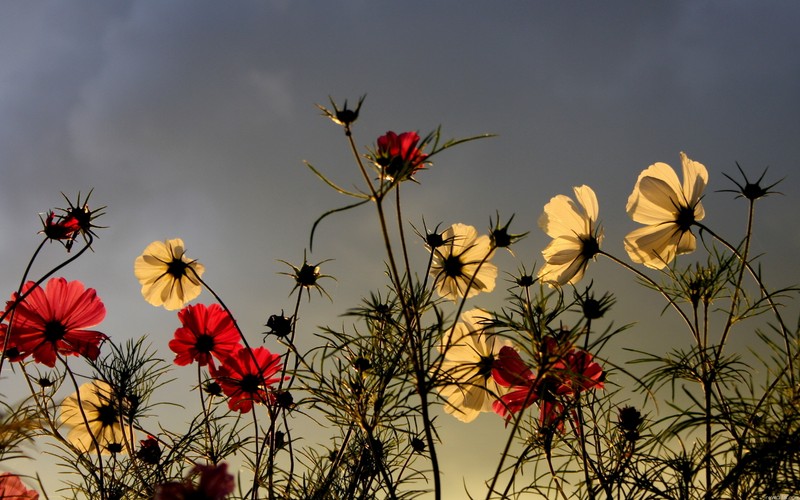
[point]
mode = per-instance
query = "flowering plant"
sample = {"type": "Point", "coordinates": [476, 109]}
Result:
{"type": "Point", "coordinates": [420, 350]}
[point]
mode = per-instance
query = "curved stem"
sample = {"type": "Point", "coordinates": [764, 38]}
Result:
{"type": "Point", "coordinates": [658, 287]}
{"type": "Point", "coordinates": [88, 427]}
{"type": "Point", "coordinates": [12, 305]}
{"type": "Point", "coordinates": [206, 417]}
{"type": "Point", "coordinates": [766, 295]}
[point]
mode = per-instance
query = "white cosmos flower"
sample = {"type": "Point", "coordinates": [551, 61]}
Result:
{"type": "Point", "coordinates": [576, 237]}
{"type": "Point", "coordinates": [461, 266]}
{"type": "Point", "coordinates": [668, 209]}
{"type": "Point", "coordinates": [102, 416]}
{"type": "Point", "coordinates": [167, 276]}
{"type": "Point", "coordinates": [469, 354]}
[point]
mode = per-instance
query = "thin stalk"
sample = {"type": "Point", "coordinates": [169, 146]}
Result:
{"type": "Point", "coordinates": [88, 428]}
{"type": "Point", "coordinates": [12, 305]}
{"type": "Point", "coordinates": [206, 416]}
{"type": "Point", "coordinates": [765, 294]}
{"type": "Point", "coordinates": [658, 287]}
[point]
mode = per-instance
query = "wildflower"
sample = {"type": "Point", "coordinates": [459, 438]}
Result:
{"type": "Point", "coordinates": [345, 116]}
{"type": "Point", "coordinates": [307, 277]}
{"type": "Point", "coordinates": [591, 307]}
{"type": "Point", "coordinates": [212, 389]}
{"type": "Point", "coordinates": [64, 228]}
{"type": "Point", "coordinates": [751, 190]}
{"type": "Point", "coordinates": [83, 216]}
{"type": "Point", "coordinates": [167, 276]}
{"type": "Point", "coordinates": [149, 451]}
{"type": "Point", "coordinates": [499, 235]}
{"type": "Point", "coordinates": [461, 266]}
{"type": "Point", "coordinates": [215, 484]}
{"type": "Point", "coordinates": [11, 486]}
{"type": "Point", "coordinates": [519, 380]}
{"type": "Point", "coordinates": [469, 356]}
{"type": "Point", "coordinates": [206, 331]}
{"type": "Point", "coordinates": [576, 237]}
{"type": "Point", "coordinates": [669, 211]}
{"type": "Point", "coordinates": [630, 421]}
{"type": "Point", "coordinates": [279, 325]}
{"type": "Point", "coordinates": [565, 373]}
{"type": "Point", "coordinates": [246, 375]}
{"type": "Point", "coordinates": [102, 428]}
{"type": "Point", "coordinates": [398, 155]}
{"type": "Point", "coordinates": [55, 320]}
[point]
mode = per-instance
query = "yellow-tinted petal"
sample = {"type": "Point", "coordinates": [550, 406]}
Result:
{"type": "Point", "coordinates": [653, 246]}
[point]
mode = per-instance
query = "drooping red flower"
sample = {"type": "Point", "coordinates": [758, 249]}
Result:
{"type": "Point", "coordinates": [206, 332]}
{"type": "Point", "coordinates": [63, 228]}
{"type": "Point", "coordinates": [55, 320]}
{"type": "Point", "coordinates": [12, 487]}
{"type": "Point", "coordinates": [398, 155]}
{"type": "Point", "coordinates": [215, 484]}
{"type": "Point", "coordinates": [246, 376]}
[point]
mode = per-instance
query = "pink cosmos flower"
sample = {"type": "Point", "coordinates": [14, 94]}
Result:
{"type": "Point", "coordinates": [399, 156]}
{"type": "Point", "coordinates": [246, 375]}
{"type": "Point", "coordinates": [206, 331]}
{"type": "Point", "coordinates": [55, 320]}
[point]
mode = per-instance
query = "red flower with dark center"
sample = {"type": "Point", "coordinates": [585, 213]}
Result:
{"type": "Point", "coordinates": [246, 375]}
{"type": "Point", "coordinates": [206, 332]}
{"type": "Point", "coordinates": [566, 375]}
{"type": "Point", "coordinates": [55, 320]}
{"type": "Point", "coordinates": [398, 155]}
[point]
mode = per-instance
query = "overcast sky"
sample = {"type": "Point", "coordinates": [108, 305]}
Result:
{"type": "Point", "coordinates": [192, 119]}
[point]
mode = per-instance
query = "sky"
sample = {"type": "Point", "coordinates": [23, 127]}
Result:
{"type": "Point", "coordinates": [193, 119]}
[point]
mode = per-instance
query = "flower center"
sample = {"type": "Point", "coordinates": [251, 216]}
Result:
{"type": "Point", "coordinates": [590, 247]}
{"type": "Point", "coordinates": [250, 383]}
{"type": "Point", "coordinates": [177, 268]}
{"type": "Point", "coordinates": [453, 266]}
{"type": "Point", "coordinates": [685, 218]}
{"type": "Point", "coordinates": [485, 366]}
{"type": "Point", "coordinates": [106, 415]}
{"type": "Point", "coordinates": [54, 331]}
{"type": "Point", "coordinates": [204, 343]}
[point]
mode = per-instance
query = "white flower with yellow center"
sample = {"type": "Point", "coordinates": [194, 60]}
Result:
{"type": "Point", "coordinates": [98, 425]}
{"type": "Point", "coordinates": [669, 211]}
{"type": "Point", "coordinates": [576, 237]}
{"type": "Point", "coordinates": [460, 265]}
{"type": "Point", "coordinates": [167, 276]}
{"type": "Point", "coordinates": [469, 355]}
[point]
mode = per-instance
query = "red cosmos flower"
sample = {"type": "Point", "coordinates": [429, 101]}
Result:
{"type": "Point", "coordinates": [55, 319]}
{"type": "Point", "coordinates": [206, 331]}
{"type": "Point", "coordinates": [11, 487]}
{"type": "Point", "coordinates": [246, 375]}
{"type": "Point", "coordinates": [64, 229]}
{"type": "Point", "coordinates": [565, 376]}
{"type": "Point", "coordinates": [215, 484]}
{"type": "Point", "coordinates": [510, 371]}
{"type": "Point", "coordinates": [398, 155]}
